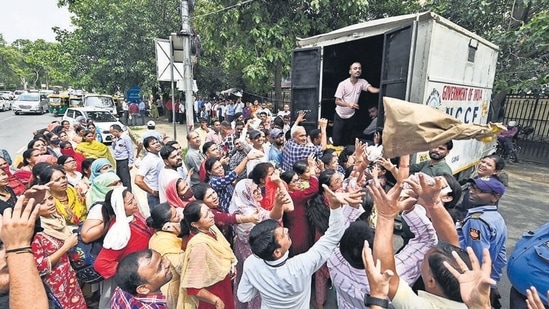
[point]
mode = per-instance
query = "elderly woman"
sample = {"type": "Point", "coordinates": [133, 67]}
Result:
{"type": "Point", "coordinates": [246, 198]}
{"type": "Point", "coordinates": [221, 183]}
{"type": "Point", "coordinates": [208, 264]}
{"type": "Point", "coordinates": [179, 193]}
{"type": "Point", "coordinates": [127, 233]}
{"type": "Point", "coordinates": [50, 248]}
{"type": "Point", "coordinates": [166, 221]}
{"type": "Point", "coordinates": [91, 148]}
{"type": "Point", "coordinates": [66, 197]}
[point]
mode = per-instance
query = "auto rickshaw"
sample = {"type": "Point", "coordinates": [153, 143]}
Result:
{"type": "Point", "coordinates": [58, 103]}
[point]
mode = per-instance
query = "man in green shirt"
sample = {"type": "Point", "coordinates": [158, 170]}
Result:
{"type": "Point", "coordinates": [437, 165]}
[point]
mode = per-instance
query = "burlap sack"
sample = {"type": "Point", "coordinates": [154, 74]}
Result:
{"type": "Point", "coordinates": [411, 128]}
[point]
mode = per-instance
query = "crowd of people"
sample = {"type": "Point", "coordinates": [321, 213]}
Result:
{"type": "Point", "coordinates": [255, 213]}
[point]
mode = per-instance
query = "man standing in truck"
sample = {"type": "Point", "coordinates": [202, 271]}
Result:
{"type": "Point", "coordinates": [347, 94]}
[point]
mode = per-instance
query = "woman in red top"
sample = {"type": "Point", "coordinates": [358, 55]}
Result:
{"type": "Point", "coordinates": [297, 223]}
{"type": "Point", "coordinates": [127, 233]}
{"type": "Point", "coordinates": [50, 248]}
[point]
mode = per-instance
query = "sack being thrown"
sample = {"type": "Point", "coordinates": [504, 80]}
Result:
{"type": "Point", "coordinates": [411, 128]}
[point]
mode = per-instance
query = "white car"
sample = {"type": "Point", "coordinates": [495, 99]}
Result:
{"type": "Point", "coordinates": [102, 118]}
{"type": "Point", "coordinates": [5, 105]}
{"type": "Point", "coordinates": [30, 102]}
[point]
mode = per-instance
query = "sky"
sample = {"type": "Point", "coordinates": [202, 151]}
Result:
{"type": "Point", "coordinates": [32, 19]}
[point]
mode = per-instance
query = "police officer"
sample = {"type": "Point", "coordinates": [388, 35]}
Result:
{"type": "Point", "coordinates": [484, 227]}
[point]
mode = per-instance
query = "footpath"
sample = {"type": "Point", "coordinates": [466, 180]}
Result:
{"type": "Point", "coordinates": [162, 126]}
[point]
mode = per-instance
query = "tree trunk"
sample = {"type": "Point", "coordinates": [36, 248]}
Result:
{"type": "Point", "coordinates": [278, 87]}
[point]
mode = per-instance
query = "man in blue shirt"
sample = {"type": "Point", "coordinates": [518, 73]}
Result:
{"type": "Point", "coordinates": [484, 227]}
{"type": "Point", "coordinates": [275, 151]}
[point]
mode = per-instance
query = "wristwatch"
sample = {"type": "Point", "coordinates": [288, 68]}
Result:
{"type": "Point", "coordinates": [369, 300]}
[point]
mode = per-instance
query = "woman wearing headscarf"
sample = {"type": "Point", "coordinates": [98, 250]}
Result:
{"type": "Point", "coordinates": [179, 193]}
{"type": "Point", "coordinates": [67, 203]}
{"type": "Point", "coordinates": [246, 198]}
{"type": "Point", "coordinates": [91, 148]}
{"type": "Point", "coordinates": [50, 248]}
{"type": "Point", "coordinates": [100, 166]}
{"type": "Point", "coordinates": [100, 187]}
{"type": "Point", "coordinates": [68, 150]}
{"type": "Point", "coordinates": [166, 221]}
{"type": "Point", "coordinates": [209, 263]}
{"type": "Point", "coordinates": [126, 234]}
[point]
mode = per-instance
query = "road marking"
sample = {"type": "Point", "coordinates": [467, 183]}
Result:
{"type": "Point", "coordinates": [7, 118]}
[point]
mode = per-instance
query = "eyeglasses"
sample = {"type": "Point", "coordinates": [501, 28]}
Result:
{"type": "Point", "coordinates": [70, 161]}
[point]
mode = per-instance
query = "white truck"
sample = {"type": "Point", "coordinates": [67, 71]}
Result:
{"type": "Point", "coordinates": [421, 58]}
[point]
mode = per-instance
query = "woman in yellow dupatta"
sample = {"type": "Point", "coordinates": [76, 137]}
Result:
{"type": "Point", "coordinates": [67, 203]}
{"type": "Point", "coordinates": [91, 148]}
{"type": "Point", "coordinates": [209, 263]}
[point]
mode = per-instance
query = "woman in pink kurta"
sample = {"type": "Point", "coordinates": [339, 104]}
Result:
{"type": "Point", "coordinates": [50, 249]}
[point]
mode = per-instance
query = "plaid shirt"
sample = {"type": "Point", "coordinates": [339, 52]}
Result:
{"type": "Point", "coordinates": [228, 143]}
{"type": "Point", "coordinates": [124, 300]}
{"type": "Point", "coordinates": [294, 152]}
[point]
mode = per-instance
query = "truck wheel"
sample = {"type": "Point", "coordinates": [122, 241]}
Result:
{"type": "Point", "coordinates": [16, 112]}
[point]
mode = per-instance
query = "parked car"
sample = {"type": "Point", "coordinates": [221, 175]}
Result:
{"type": "Point", "coordinates": [5, 103]}
{"type": "Point", "coordinates": [30, 102]}
{"type": "Point", "coordinates": [102, 118]}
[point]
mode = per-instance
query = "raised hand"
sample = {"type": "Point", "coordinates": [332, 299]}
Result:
{"type": "Point", "coordinates": [427, 189]}
{"type": "Point", "coordinates": [389, 204]}
{"type": "Point", "coordinates": [378, 281]}
{"type": "Point", "coordinates": [18, 223]}
{"type": "Point", "coordinates": [474, 283]}
{"type": "Point", "coordinates": [336, 200]}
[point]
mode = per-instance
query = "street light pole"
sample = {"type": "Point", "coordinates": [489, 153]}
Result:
{"type": "Point", "coordinates": [187, 68]}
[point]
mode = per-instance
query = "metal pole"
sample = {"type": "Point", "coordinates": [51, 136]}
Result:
{"type": "Point", "coordinates": [173, 98]}
{"type": "Point", "coordinates": [187, 68]}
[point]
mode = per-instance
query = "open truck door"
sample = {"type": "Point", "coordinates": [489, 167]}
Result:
{"type": "Point", "coordinates": [396, 66]}
{"type": "Point", "coordinates": [306, 79]}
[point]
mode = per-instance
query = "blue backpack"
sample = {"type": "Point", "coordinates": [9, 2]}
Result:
{"type": "Point", "coordinates": [529, 263]}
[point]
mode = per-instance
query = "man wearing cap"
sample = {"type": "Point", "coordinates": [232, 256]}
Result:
{"type": "Point", "coordinates": [275, 152]}
{"type": "Point", "coordinates": [151, 125]}
{"type": "Point", "coordinates": [203, 130]}
{"type": "Point", "coordinates": [484, 227]}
